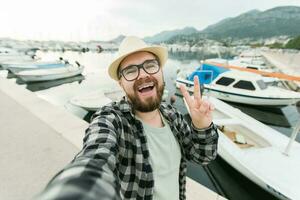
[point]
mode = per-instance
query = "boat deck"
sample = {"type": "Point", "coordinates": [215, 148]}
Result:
{"type": "Point", "coordinates": [232, 135]}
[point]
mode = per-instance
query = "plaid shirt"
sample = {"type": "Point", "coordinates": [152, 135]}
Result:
{"type": "Point", "coordinates": [114, 161]}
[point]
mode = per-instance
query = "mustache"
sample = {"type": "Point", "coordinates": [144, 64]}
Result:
{"type": "Point", "coordinates": [144, 80]}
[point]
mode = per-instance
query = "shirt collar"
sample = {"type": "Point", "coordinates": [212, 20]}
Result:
{"type": "Point", "coordinates": [125, 105]}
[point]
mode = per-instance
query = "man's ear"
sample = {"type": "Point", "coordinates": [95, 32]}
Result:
{"type": "Point", "coordinates": [120, 84]}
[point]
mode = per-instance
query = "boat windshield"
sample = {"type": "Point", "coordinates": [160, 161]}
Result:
{"type": "Point", "coordinates": [243, 84]}
{"type": "Point", "coordinates": [261, 84]}
{"type": "Point", "coordinates": [225, 81]}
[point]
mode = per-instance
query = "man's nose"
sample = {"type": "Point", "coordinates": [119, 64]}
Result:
{"type": "Point", "coordinates": [143, 74]}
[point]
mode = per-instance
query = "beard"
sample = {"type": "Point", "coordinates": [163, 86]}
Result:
{"type": "Point", "coordinates": [150, 103]}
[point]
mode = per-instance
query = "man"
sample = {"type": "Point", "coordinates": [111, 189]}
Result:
{"type": "Point", "coordinates": [137, 148]}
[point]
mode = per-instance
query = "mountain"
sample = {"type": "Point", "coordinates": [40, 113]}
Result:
{"type": "Point", "coordinates": [226, 21]}
{"type": "Point", "coordinates": [294, 43]}
{"type": "Point", "coordinates": [253, 24]}
{"type": "Point", "coordinates": [256, 24]}
{"type": "Point", "coordinates": [166, 35]}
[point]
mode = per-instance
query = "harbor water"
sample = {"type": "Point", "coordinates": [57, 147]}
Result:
{"type": "Point", "coordinates": [219, 175]}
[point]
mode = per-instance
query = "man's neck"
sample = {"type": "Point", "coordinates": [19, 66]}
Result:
{"type": "Point", "coordinates": [152, 118]}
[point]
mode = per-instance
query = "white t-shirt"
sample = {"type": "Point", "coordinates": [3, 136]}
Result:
{"type": "Point", "coordinates": [165, 158]}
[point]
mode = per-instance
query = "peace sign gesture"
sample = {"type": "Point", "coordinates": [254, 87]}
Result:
{"type": "Point", "coordinates": [200, 110]}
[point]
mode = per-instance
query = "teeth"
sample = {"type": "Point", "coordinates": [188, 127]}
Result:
{"type": "Point", "coordinates": [151, 84]}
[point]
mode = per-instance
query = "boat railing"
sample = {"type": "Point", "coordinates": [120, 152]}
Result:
{"type": "Point", "coordinates": [263, 73]}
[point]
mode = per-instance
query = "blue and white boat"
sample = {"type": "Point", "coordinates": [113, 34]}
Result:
{"type": "Point", "coordinates": [205, 72]}
{"type": "Point", "coordinates": [239, 87]}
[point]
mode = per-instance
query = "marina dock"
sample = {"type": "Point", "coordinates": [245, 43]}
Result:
{"type": "Point", "coordinates": [38, 139]}
{"type": "Point", "coordinates": [284, 61]}
{"type": "Point", "coordinates": [288, 63]}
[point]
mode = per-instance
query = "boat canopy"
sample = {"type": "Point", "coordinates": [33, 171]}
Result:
{"type": "Point", "coordinates": [206, 73]}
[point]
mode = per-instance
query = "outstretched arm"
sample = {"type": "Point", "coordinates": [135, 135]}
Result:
{"type": "Point", "coordinates": [91, 175]}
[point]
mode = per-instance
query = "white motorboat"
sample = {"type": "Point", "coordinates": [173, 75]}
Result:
{"type": "Point", "coordinates": [7, 54]}
{"type": "Point", "coordinates": [24, 57]}
{"type": "Point", "coordinates": [35, 65]}
{"type": "Point", "coordinates": [94, 100]}
{"type": "Point", "coordinates": [246, 88]}
{"type": "Point", "coordinates": [257, 151]}
{"type": "Point", "coordinates": [50, 74]}
{"type": "Point", "coordinates": [239, 62]}
{"type": "Point", "coordinates": [15, 67]}
{"type": "Point", "coordinates": [252, 57]}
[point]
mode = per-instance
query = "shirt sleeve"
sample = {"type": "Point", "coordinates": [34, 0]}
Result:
{"type": "Point", "coordinates": [200, 145]}
{"type": "Point", "coordinates": [92, 173]}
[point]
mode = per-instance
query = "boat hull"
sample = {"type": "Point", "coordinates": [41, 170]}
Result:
{"type": "Point", "coordinates": [18, 68]}
{"type": "Point", "coordinates": [236, 164]}
{"type": "Point", "coordinates": [48, 77]}
{"type": "Point", "coordinates": [251, 100]}
{"type": "Point", "coordinates": [239, 98]}
{"type": "Point", "coordinates": [262, 161]}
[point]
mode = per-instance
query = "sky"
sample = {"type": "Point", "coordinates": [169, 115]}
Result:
{"type": "Point", "coordinates": [83, 20]}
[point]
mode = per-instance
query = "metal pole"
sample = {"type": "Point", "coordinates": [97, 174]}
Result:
{"type": "Point", "coordinates": [293, 137]}
{"type": "Point", "coordinates": [294, 133]}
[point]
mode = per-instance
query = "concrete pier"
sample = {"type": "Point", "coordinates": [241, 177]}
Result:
{"type": "Point", "coordinates": [288, 63]}
{"type": "Point", "coordinates": [37, 139]}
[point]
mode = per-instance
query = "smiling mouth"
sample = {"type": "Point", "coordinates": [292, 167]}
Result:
{"type": "Point", "coordinates": [146, 87]}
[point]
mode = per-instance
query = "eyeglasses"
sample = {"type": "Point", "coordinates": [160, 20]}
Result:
{"type": "Point", "coordinates": [131, 72]}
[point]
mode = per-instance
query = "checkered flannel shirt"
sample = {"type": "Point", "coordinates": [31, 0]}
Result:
{"type": "Point", "coordinates": [114, 161]}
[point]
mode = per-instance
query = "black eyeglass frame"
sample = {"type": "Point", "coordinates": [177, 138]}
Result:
{"type": "Point", "coordinates": [139, 67]}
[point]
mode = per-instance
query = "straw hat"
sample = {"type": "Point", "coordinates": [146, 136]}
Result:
{"type": "Point", "coordinates": [131, 45]}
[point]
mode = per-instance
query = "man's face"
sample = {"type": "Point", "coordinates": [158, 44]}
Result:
{"type": "Point", "coordinates": [145, 92]}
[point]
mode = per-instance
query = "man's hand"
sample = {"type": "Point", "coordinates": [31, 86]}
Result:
{"type": "Point", "coordinates": [200, 110]}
